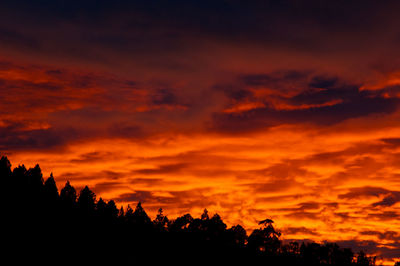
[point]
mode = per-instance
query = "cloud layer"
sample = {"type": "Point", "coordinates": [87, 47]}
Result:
{"type": "Point", "coordinates": [253, 110]}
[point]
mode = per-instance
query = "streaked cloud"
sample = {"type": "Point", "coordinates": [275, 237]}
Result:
{"type": "Point", "coordinates": [253, 110]}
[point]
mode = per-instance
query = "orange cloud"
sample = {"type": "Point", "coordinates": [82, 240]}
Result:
{"type": "Point", "coordinates": [135, 141]}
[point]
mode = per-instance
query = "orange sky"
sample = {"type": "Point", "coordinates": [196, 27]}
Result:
{"type": "Point", "coordinates": [335, 181]}
{"type": "Point", "coordinates": [293, 116]}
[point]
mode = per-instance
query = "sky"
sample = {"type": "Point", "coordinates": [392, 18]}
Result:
{"type": "Point", "coordinates": [287, 110]}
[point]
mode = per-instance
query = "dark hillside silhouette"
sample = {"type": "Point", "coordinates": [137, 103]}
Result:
{"type": "Point", "coordinates": [51, 227]}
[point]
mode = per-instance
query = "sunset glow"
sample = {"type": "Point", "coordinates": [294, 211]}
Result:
{"type": "Point", "coordinates": [291, 116]}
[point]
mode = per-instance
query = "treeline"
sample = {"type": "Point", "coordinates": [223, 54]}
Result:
{"type": "Point", "coordinates": [52, 227]}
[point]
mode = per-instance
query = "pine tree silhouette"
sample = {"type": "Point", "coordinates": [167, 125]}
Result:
{"type": "Point", "coordinates": [48, 227]}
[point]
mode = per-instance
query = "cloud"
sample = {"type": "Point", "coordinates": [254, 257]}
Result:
{"type": "Point", "coordinates": [14, 38]}
{"type": "Point", "coordinates": [144, 34]}
{"type": "Point", "coordinates": [371, 247]}
{"type": "Point", "coordinates": [300, 230]}
{"type": "Point", "coordinates": [162, 169]}
{"type": "Point", "coordinates": [384, 216]}
{"type": "Point", "coordinates": [125, 130]}
{"type": "Point", "coordinates": [322, 101]}
{"type": "Point", "coordinates": [275, 80]}
{"type": "Point", "coordinates": [142, 196]}
{"type": "Point", "coordinates": [388, 200]}
{"type": "Point", "coordinates": [155, 103]}
{"type": "Point", "coordinates": [234, 92]}
{"type": "Point", "coordinates": [367, 191]}
{"type": "Point", "coordinates": [320, 95]}
{"type": "Point", "coordinates": [164, 96]}
{"type": "Point", "coordinates": [390, 197]}
{"type": "Point", "coordinates": [17, 137]}
{"type": "Point", "coordinates": [304, 215]}
{"type": "Point", "coordinates": [108, 186]}
{"type": "Point", "coordinates": [323, 82]}
{"type": "Point", "coordinates": [392, 141]}
{"type": "Point", "coordinates": [90, 157]}
{"type": "Point", "coordinates": [387, 235]}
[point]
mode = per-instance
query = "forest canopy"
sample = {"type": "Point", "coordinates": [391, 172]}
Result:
{"type": "Point", "coordinates": [48, 224]}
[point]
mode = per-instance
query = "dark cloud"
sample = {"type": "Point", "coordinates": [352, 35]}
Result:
{"type": "Point", "coordinates": [387, 235]}
{"type": "Point", "coordinates": [75, 177]}
{"type": "Point", "coordinates": [280, 82]}
{"type": "Point", "coordinates": [392, 141]}
{"type": "Point", "coordinates": [309, 205]}
{"type": "Point", "coordinates": [300, 230]}
{"type": "Point", "coordinates": [125, 130]}
{"type": "Point", "coordinates": [338, 157]}
{"type": "Point", "coordinates": [343, 215]}
{"type": "Point", "coordinates": [107, 186]}
{"type": "Point", "coordinates": [384, 215]}
{"type": "Point", "coordinates": [164, 96]}
{"type": "Point", "coordinates": [162, 169]}
{"type": "Point", "coordinates": [6, 65]}
{"type": "Point", "coordinates": [141, 27]}
{"type": "Point", "coordinates": [16, 137]}
{"type": "Point", "coordinates": [14, 38]}
{"type": "Point", "coordinates": [112, 174]}
{"type": "Point", "coordinates": [387, 251]}
{"type": "Point", "coordinates": [115, 176]}
{"type": "Point", "coordinates": [274, 79]}
{"type": "Point", "coordinates": [29, 85]}
{"type": "Point", "coordinates": [301, 207]}
{"type": "Point", "coordinates": [352, 103]}
{"type": "Point", "coordinates": [388, 200]}
{"type": "Point", "coordinates": [367, 191]}
{"type": "Point", "coordinates": [270, 199]}
{"type": "Point", "coordinates": [323, 82]}
{"type": "Point", "coordinates": [90, 157]}
{"type": "Point", "coordinates": [147, 181]}
{"type": "Point", "coordinates": [234, 92]}
{"type": "Point", "coordinates": [54, 72]}
{"type": "Point", "coordinates": [142, 196]}
{"type": "Point", "coordinates": [368, 246]}
{"type": "Point", "coordinates": [389, 197]}
{"type": "Point", "coordinates": [320, 95]}
{"type": "Point", "coordinates": [304, 215]}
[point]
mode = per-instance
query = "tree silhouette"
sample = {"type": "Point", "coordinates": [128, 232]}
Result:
{"type": "Point", "coordinates": [204, 215]}
{"type": "Point", "coordinates": [19, 175]}
{"type": "Point", "coordinates": [237, 235]}
{"type": "Point", "coordinates": [129, 214]}
{"type": "Point", "coordinates": [50, 189]}
{"type": "Point", "coordinates": [87, 200]}
{"type": "Point", "coordinates": [68, 194]}
{"type": "Point", "coordinates": [5, 169]}
{"type": "Point", "coordinates": [112, 210]}
{"type": "Point", "coordinates": [140, 216]}
{"type": "Point", "coordinates": [73, 228]}
{"type": "Point", "coordinates": [181, 223]}
{"type": "Point", "coordinates": [161, 221]}
{"type": "Point", "coordinates": [101, 208]}
{"type": "Point", "coordinates": [215, 227]}
{"type": "Point", "coordinates": [364, 260]}
{"type": "Point", "coordinates": [265, 239]}
{"type": "Point", "coordinates": [5, 179]}
{"type": "Point", "coordinates": [35, 179]}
